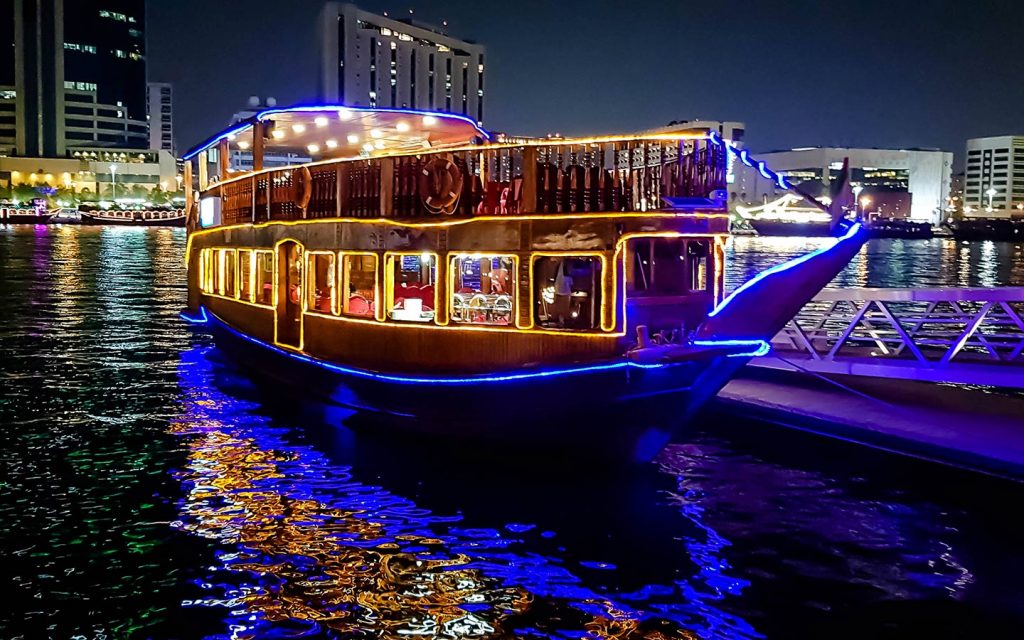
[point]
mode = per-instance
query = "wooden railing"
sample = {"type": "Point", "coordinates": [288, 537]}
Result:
{"type": "Point", "coordinates": [630, 175]}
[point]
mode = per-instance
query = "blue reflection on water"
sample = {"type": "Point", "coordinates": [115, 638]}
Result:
{"type": "Point", "coordinates": [304, 547]}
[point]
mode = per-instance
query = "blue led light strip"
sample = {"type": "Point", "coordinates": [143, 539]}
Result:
{"type": "Point", "coordinates": [266, 114]}
{"type": "Point", "coordinates": [744, 156]}
{"type": "Point", "coordinates": [202, 319]}
{"type": "Point", "coordinates": [761, 348]}
{"type": "Point", "coordinates": [783, 267]}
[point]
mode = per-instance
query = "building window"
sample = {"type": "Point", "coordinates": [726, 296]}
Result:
{"type": "Point", "coordinates": [263, 280]}
{"type": "Point", "coordinates": [359, 285]}
{"type": "Point", "coordinates": [320, 294]}
{"type": "Point", "coordinates": [412, 295]}
{"type": "Point", "coordinates": [567, 292]}
{"type": "Point", "coordinates": [659, 267]}
{"type": "Point", "coordinates": [483, 289]}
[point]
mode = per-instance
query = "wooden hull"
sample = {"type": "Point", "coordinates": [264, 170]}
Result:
{"type": "Point", "coordinates": [95, 219]}
{"type": "Point", "coordinates": [612, 409]}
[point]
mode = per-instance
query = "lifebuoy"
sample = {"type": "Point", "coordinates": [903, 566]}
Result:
{"type": "Point", "coordinates": [440, 185]}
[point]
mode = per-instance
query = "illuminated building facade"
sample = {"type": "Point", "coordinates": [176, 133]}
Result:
{"type": "Point", "coordinates": [75, 75]}
{"type": "Point", "coordinates": [994, 177]}
{"type": "Point", "coordinates": [160, 108]}
{"type": "Point", "coordinates": [892, 183]}
{"type": "Point", "coordinates": [379, 61]}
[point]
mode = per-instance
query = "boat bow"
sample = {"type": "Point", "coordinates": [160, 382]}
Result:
{"type": "Point", "coordinates": [762, 306]}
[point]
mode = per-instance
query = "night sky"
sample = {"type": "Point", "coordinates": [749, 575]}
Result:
{"type": "Point", "coordinates": [876, 73]}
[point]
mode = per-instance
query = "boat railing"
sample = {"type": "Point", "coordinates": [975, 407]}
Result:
{"type": "Point", "coordinates": [630, 174]}
{"type": "Point", "coordinates": [926, 333]}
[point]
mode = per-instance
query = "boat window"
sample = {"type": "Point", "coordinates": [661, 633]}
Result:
{"type": "Point", "coordinates": [698, 252]}
{"type": "Point", "coordinates": [567, 292]}
{"type": "Point", "coordinates": [225, 269]}
{"type": "Point", "coordinates": [359, 284]}
{"type": "Point", "coordinates": [659, 267]}
{"type": "Point", "coordinates": [321, 281]}
{"type": "Point", "coordinates": [245, 269]}
{"type": "Point", "coordinates": [263, 283]}
{"type": "Point", "coordinates": [206, 271]}
{"type": "Point", "coordinates": [413, 294]}
{"type": "Point", "coordinates": [483, 290]}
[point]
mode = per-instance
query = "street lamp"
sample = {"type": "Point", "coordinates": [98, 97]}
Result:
{"type": "Point", "coordinates": [113, 182]}
{"type": "Point", "coordinates": [990, 193]}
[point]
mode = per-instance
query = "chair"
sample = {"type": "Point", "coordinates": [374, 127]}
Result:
{"type": "Point", "coordinates": [359, 306]}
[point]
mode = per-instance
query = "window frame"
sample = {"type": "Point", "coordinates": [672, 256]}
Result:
{"type": "Point", "coordinates": [389, 284]}
{"type": "Point", "coordinates": [513, 294]}
{"type": "Point", "coordinates": [221, 284]}
{"type": "Point", "coordinates": [379, 314]}
{"type": "Point", "coordinates": [600, 326]}
{"type": "Point", "coordinates": [309, 282]}
{"type": "Point", "coordinates": [249, 271]}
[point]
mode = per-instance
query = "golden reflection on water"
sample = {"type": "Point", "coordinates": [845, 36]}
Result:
{"type": "Point", "coordinates": [342, 569]}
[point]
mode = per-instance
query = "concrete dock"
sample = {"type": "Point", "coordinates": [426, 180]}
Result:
{"type": "Point", "coordinates": [981, 429]}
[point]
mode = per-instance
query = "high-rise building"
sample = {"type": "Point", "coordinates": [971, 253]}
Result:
{"type": "Point", "coordinates": [379, 61]}
{"type": "Point", "coordinates": [994, 177]}
{"type": "Point", "coordinates": [160, 107]}
{"type": "Point", "coordinates": [75, 73]}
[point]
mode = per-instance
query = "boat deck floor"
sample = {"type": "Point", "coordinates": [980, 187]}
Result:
{"type": "Point", "coordinates": [981, 429]}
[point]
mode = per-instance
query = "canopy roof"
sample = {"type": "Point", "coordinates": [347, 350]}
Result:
{"type": "Point", "coordinates": [322, 132]}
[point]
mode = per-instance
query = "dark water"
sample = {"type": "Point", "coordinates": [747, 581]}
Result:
{"type": "Point", "coordinates": [148, 490]}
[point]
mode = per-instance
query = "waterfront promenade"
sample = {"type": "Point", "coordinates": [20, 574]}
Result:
{"type": "Point", "coordinates": [932, 372]}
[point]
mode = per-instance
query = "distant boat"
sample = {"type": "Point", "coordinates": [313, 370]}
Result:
{"type": "Point", "coordinates": [998, 229]}
{"type": "Point", "coordinates": [133, 218]}
{"type": "Point", "coordinates": [16, 214]}
{"type": "Point", "coordinates": [785, 217]}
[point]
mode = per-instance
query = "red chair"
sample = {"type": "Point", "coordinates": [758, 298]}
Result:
{"type": "Point", "coordinates": [359, 306]}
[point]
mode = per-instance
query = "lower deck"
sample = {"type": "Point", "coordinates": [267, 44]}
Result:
{"type": "Point", "coordinates": [465, 297]}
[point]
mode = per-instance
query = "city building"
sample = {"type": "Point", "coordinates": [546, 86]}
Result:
{"type": "Point", "coordinates": [160, 108]}
{"type": "Point", "coordinates": [94, 173]}
{"type": "Point", "coordinates": [994, 177]}
{"type": "Point", "coordinates": [381, 61]}
{"type": "Point", "coordinates": [75, 74]}
{"type": "Point", "coordinates": [891, 183]}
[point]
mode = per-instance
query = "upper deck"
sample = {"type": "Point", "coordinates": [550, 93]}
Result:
{"type": "Point", "coordinates": [355, 162]}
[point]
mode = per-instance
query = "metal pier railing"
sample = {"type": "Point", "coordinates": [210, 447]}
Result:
{"type": "Point", "coordinates": [962, 336]}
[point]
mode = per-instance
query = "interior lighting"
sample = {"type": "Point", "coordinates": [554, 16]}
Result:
{"type": "Point", "coordinates": [429, 121]}
{"type": "Point", "coordinates": [332, 144]}
{"type": "Point", "coordinates": [298, 128]}
{"type": "Point", "coordinates": [352, 138]}
{"type": "Point", "coordinates": [320, 121]}
{"type": "Point", "coordinates": [313, 148]}
{"type": "Point", "coordinates": [376, 133]}
{"type": "Point", "coordinates": [402, 127]}
{"type": "Point", "coordinates": [277, 134]}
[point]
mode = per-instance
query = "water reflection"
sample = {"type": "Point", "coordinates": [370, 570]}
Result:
{"type": "Point", "coordinates": [939, 262]}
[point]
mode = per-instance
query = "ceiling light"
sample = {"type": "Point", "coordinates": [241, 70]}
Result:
{"type": "Point", "coordinates": [298, 128]}
{"type": "Point", "coordinates": [368, 147]}
{"type": "Point", "coordinates": [277, 133]}
{"type": "Point", "coordinates": [313, 148]}
{"type": "Point", "coordinates": [376, 133]}
{"type": "Point", "coordinates": [332, 144]}
{"type": "Point", "coordinates": [429, 121]}
{"type": "Point", "coordinates": [402, 127]}
{"type": "Point", "coordinates": [379, 144]}
{"type": "Point", "coordinates": [320, 121]}
{"type": "Point", "coordinates": [353, 138]}
{"type": "Point", "coordinates": [344, 114]}
{"type": "Point", "coordinates": [242, 144]}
